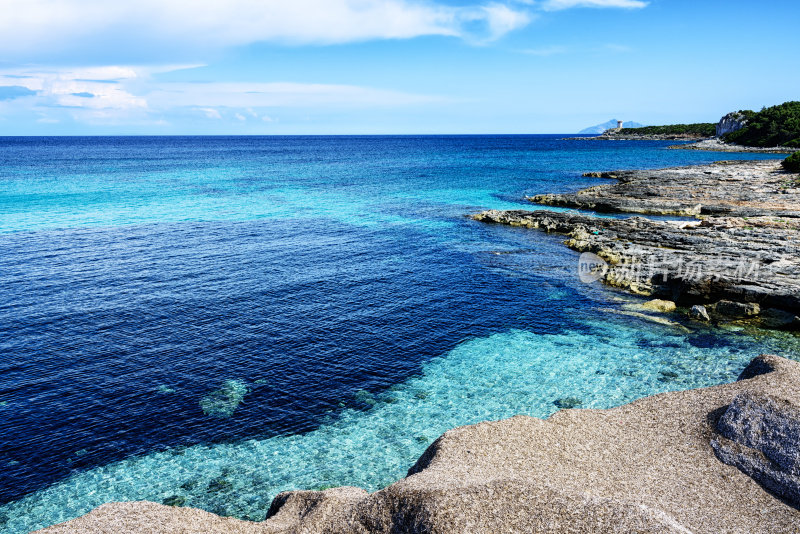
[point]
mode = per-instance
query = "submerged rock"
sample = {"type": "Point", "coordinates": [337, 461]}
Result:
{"type": "Point", "coordinates": [175, 500]}
{"type": "Point", "coordinates": [699, 313]}
{"type": "Point", "coordinates": [645, 467]}
{"type": "Point", "coordinates": [219, 484]}
{"type": "Point", "coordinates": [658, 305]}
{"type": "Point", "coordinates": [566, 403]}
{"type": "Point", "coordinates": [224, 401]}
{"type": "Point", "coordinates": [779, 319]}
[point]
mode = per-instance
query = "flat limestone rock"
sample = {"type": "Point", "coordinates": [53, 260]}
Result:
{"type": "Point", "coordinates": [737, 309]}
{"type": "Point", "coordinates": [659, 305]}
{"type": "Point", "coordinates": [725, 188]}
{"type": "Point", "coordinates": [644, 467]}
{"type": "Point", "coordinates": [720, 258]}
{"type": "Point", "coordinates": [742, 248]}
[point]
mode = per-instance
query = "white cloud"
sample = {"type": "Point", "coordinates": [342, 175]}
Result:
{"type": "Point", "coordinates": [501, 20]}
{"type": "Point", "coordinates": [211, 113]}
{"type": "Point", "coordinates": [85, 88]}
{"type": "Point", "coordinates": [555, 5]}
{"type": "Point", "coordinates": [121, 93]}
{"type": "Point", "coordinates": [35, 28]}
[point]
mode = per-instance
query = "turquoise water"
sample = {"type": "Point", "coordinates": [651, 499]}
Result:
{"type": "Point", "coordinates": [213, 321]}
{"type": "Point", "coordinates": [516, 372]}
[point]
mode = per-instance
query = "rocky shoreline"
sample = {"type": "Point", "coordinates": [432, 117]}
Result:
{"type": "Point", "coordinates": [719, 459]}
{"type": "Point", "coordinates": [716, 145]}
{"type": "Point", "coordinates": [742, 245]}
{"type": "Point", "coordinates": [612, 136]}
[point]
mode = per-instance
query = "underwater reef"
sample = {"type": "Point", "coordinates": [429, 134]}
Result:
{"type": "Point", "coordinates": [224, 401]}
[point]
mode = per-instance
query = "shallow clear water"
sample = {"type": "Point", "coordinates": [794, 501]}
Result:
{"type": "Point", "coordinates": [221, 319]}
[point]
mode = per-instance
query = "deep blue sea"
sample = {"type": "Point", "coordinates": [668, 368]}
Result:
{"type": "Point", "coordinates": [213, 320]}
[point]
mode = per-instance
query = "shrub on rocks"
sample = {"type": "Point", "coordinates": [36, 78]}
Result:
{"type": "Point", "coordinates": [792, 163]}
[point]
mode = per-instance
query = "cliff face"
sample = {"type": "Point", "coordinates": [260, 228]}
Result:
{"type": "Point", "coordinates": [730, 123]}
{"type": "Point", "coordinates": [648, 466]}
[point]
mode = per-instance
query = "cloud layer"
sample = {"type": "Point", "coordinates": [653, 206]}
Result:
{"type": "Point", "coordinates": [555, 5]}
{"type": "Point", "coordinates": [60, 39]}
{"type": "Point", "coordinates": [31, 29]}
{"type": "Point", "coordinates": [110, 95]}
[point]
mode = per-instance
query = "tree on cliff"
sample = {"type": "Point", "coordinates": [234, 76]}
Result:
{"type": "Point", "coordinates": [772, 126]}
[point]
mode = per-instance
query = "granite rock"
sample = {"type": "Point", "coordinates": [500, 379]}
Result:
{"type": "Point", "coordinates": [760, 434]}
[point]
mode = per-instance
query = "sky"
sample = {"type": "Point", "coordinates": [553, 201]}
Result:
{"type": "Point", "coordinates": [175, 67]}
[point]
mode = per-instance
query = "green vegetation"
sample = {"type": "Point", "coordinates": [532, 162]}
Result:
{"type": "Point", "coordinates": [792, 163]}
{"type": "Point", "coordinates": [773, 126]}
{"type": "Point", "coordinates": [701, 129]}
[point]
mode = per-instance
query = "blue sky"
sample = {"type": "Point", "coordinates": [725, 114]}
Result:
{"type": "Point", "coordinates": [75, 67]}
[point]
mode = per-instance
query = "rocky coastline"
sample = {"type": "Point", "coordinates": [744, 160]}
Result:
{"type": "Point", "coordinates": [718, 459]}
{"type": "Point", "coordinates": [613, 135]}
{"type": "Point", "coordinates": [741, 244]}
{"type": "Point", "coordinates": [717, 145]}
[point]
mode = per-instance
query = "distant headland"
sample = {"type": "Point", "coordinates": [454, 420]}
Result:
{"type": "Point", "coordinates": [773, 129]}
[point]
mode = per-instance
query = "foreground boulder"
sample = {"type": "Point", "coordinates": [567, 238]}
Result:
{"type": "Point", "coordinates": [645, 467]}
{"type": "Point", "coordinates": [760, 434]}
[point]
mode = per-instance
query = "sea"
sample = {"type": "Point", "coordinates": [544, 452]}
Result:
{"type": "Point", "coordinates": [209, 321]}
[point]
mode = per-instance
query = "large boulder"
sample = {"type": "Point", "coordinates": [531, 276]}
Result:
{"type": "Point", "coordinates": [658, 305]}
{"type": "Point", "coordinates": [760, 434]}
{"type": "Point", "coordinates": [699, 313]}
{"type": "Point", "coordinates": [736, 310]}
